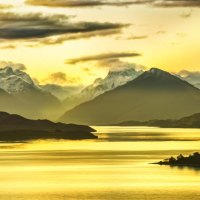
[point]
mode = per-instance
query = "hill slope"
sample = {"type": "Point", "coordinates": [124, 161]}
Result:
{"type": "Point", "coordinates": [155, 94]}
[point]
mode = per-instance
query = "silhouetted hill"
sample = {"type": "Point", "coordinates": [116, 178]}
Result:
{"type": "Point", "coordinates": [15, 127]}
{"type": "Point", "coordinates": [155, 94]}
{"type": "Point", "coordinates": [192, 121]}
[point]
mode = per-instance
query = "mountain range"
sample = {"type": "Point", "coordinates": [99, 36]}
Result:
{"type": "Point", "coordinates": [123, 95]}
{"type": "Point", "coordinates": [114, 79]}
{"type": "Point", "coordinates": [20, 94]}
{"type": "Point", "coordinates": [155, 94]}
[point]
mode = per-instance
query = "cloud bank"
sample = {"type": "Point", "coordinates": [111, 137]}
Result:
{"type": "Point", "coordinates": [78, 3]}
{"type": "Point", "coordinates": [93, 3]}
{"type": "Point", "coordinates": [61, 78]}
{"type": "Point", "coordinates": [15, 26]}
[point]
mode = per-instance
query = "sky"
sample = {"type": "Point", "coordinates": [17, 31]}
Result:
{"type": "Point", "coordinates": [73, 42]}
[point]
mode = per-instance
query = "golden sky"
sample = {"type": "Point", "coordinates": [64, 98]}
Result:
{"type": "Point", "coordinates": [84, 38]}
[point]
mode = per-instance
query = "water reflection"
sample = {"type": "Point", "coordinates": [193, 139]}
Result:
{"type": "Point", "coordinates": [147, 134]}
{"type": "Point", "coordinates": [194, 168]}
{"type": "Point", "coordinates": [100, 169]}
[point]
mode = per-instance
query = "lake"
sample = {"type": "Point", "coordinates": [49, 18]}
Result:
{"type": "Point", "coordinates": [117, 166]}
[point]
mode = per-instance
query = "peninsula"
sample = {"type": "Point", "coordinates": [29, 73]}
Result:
{"type": "Point", "coordinates": [17, 128]}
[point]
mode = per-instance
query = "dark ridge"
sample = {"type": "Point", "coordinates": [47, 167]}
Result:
{"type": "Point", "coordinates": [16, 127]}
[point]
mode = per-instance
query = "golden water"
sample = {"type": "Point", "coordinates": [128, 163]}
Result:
{"type": "Point", "coordinates": [114, 167]}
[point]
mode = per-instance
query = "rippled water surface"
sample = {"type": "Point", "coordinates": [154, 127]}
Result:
{"type": "Point", "coordinates": [114, 167]}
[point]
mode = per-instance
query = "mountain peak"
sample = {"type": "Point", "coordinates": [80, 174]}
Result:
{"type": "Point", "coordinates": [157, 71]}
{"type": "Point", "coordinates": [15, 80]}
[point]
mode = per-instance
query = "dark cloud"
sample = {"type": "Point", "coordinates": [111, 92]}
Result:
{"type": "Point", "coordinates": [19, 66]}
{"type": "Point", "coordinates": [79, 3]}
{"type": "Point", "coordinates": [102, 57]}
{"type": "Point", "coordinates": [61, 78]}
{"type": "Point", "coordinates": [37, 26]}
{"type": "Point", "coordinates": [93, 3]}
{"type": "Point", "coordinates": [176, 3]}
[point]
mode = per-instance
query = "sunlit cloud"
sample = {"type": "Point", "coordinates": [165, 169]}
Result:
{"type": "Point", "coordinates": [137, 37]}
{"type": "Point", "coordinates": [61, 79]}
{"type": "Point", "coordinates": [5, 6]}
{"type": "Point", "coordinates": [9, 46]}
{"type": "Point", "coordinates": [13, 65]}
{"type": "Point", "coordinates": [186, 14]}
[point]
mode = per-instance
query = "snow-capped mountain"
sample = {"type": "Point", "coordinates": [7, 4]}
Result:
{"type": "Point", "coordinates": [20, 95]}
{"type": "Point", "coordinates": [15, 81]}
{"type": "Point", "coordinates": [114, 79]}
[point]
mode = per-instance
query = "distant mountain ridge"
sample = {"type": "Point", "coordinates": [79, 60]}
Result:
{"type": "Point", "coordinates": [155, 94]}
{"type": "Point", "coordinates": [61, 92]}
{"type": "Point", "coordinates": [192, 121]}
{"type": "Point", "coordinates": [114, 79]}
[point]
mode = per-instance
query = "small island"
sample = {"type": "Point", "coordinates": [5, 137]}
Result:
{"type": "Point", "coordinates": [17, 128]}
{"type": "Point", "coordinates": [192, 160]}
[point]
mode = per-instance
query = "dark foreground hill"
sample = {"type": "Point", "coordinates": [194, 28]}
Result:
{"type": "Point", "coordinates": [155, 94]}
{"type": "Point", "coordinates": [15, 128]}
{"type": "Point", "coordinates": [192, 121]}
